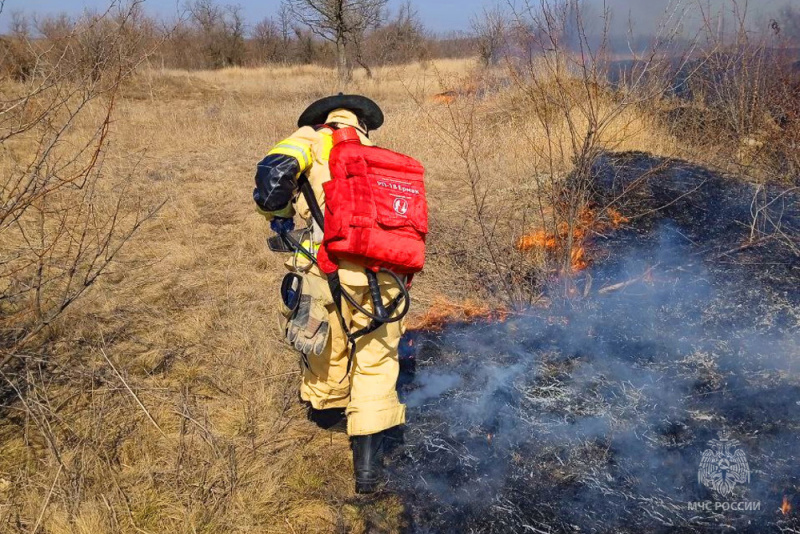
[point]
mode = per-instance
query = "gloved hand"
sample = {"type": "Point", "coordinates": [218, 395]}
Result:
{"type": "Point", "coordinates": [286, 213]}
{"type": "Point", "coordinates": [308, 331]}
{"type": "Point", "coordinates": [281, 225]}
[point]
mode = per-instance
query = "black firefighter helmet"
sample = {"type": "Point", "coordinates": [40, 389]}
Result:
{"type": "Point", "coordinates": [367, 111]}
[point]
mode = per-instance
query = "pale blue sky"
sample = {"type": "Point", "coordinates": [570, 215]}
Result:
{"type": "Point", "coordinates": [439, 15]}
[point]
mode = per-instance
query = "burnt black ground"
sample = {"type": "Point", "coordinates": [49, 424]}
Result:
{"type": "Point", "coordinates": [593, 415]}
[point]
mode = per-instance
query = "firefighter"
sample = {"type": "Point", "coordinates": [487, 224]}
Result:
{"type": "Point", "coordinates": [365, 388]}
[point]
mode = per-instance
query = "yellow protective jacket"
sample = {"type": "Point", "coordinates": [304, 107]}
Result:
{"type": "Point", "coordinates": [305, 151]}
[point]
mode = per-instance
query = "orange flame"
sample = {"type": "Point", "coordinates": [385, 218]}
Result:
{"type": "Point", "coordinates": [538, 239]}
{"type": "Point", "coordinates": [444, 311]}
{"type": "Point", "coordinates": [786, 507]}
{"type": "Point", "coordinates": [578, 258]}
{"type": "Point", "coordinates": [587, 221]}
{"type": "Point", "coordinates": [617, 219]}
{"type": "Point", "coordinates": [448, 97]}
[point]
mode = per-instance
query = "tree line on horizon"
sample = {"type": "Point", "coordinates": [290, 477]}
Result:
{"type": "Point", "coordinates": [346, 34]}
{"type": "Point", "coordinates": [209, 34]}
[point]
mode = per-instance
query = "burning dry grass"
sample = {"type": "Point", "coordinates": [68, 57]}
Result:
{"type": "Point", "coordinates": [588, 223]}
{"type": "Point", "coordinates": [786, 507]}
{"type": "Point", "coordinates": [443, 312]}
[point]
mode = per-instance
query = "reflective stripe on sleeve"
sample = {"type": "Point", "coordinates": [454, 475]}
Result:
{"type": "Point", "coordinates": [295, 150]}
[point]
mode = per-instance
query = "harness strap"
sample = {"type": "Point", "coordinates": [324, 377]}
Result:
{"type": "Point", "coordinates": [308, 191]}
{"type": "Point", "coordinates": [335, 285]}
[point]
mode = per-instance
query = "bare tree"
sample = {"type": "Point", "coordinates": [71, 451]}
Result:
{"type": "Point", "coordinates": [400, 40]}
{"type": "Point", "coordinates": [306, 51]}
{"type": "Point", "coordinates": [20, 26]}
{"type": "Point", "coordinates": [342, 22]}
{"type": "Point", "coordinates": [221, 31]}
{"type": "Point", "coordinates": [285, 25]}
{"type": "Point", "coordinates": [269, 44]}
{"type": "Point", "coordinates": [491, 30]}
{"type": "Point", "coordinates": [54, 27]}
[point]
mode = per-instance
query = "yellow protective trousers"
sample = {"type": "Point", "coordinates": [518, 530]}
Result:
{"type": "Point", "coordinates": [368, 391]}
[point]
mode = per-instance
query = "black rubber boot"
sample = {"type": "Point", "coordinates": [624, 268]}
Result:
{"type": "Point", "coordinates": [368, 462]}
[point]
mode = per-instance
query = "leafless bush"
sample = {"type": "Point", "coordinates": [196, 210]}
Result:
{"type": "Point", "coordinates": [93, 44]}
{"type": "Point", "coordinates": [63, 220]}
{"type": "Point", "coordinates": [306, 49]}
{"type": "Point", "coordinates": [401, 40]}
{"type": "Point", "coordinates": [17, 59]}
{"type": "Point", "coordinates": [452, 45]}
{"type": "Point", "coordinates": [746, 85]}
{"type": "Point", "coordinates": [268, 42]}
{"type": "Point", "coordinates": [491, 30]}
{"type": "Point", "coordinates": [749, 86]}
{"type": "Point", "coordinates": [210, 34]}
{"type": "Point", "coordinates": [564, 76]}
{"type": "Point", "coordinates": [220, 31]}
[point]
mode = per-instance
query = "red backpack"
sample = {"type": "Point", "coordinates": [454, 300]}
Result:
{"type": "Point", "coordinates": [376, 214]}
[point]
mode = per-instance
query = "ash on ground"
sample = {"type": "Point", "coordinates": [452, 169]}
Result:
{"type": "Point", "coordinates": [594, 415]}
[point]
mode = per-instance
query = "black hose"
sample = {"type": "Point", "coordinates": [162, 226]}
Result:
{"type": "Point", "coordinates": [375, 292]}
{"type": "Point", "coordinates": [298, 247]}
{"type": "Point", "coordinates": [403, 297]}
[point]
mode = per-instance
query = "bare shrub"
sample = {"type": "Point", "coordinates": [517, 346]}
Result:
{"type": "Point", "coordinates": [745, 84]}
{"type": "Point", "coordinates": [749, 85]}
{"type": "Point", "coordinates": [556, 97]}
{"type": "Point", "coordinates": [17, 59]}
{"type": "Point", "coordinates": [306, 50]}
{"type": "Point", "coordinates": [63, 220]}
{"type": "Point", "coordinates": [268, 42]}
{"type": "Point", "coordinates": [220, 31]}
{"type": "Point", "coordinates": [565, 78]}
{"type": "Point", "coordinates": [401, 40]}
{"type": "Point", "coordinates": [491, 31]}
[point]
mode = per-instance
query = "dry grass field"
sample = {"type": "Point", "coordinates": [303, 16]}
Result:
{"type": "Point", "coordinates": [169, 403]}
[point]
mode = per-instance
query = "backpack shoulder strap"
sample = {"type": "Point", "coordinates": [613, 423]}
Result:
{"type": "Point", "coordinates": [311, 200]}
